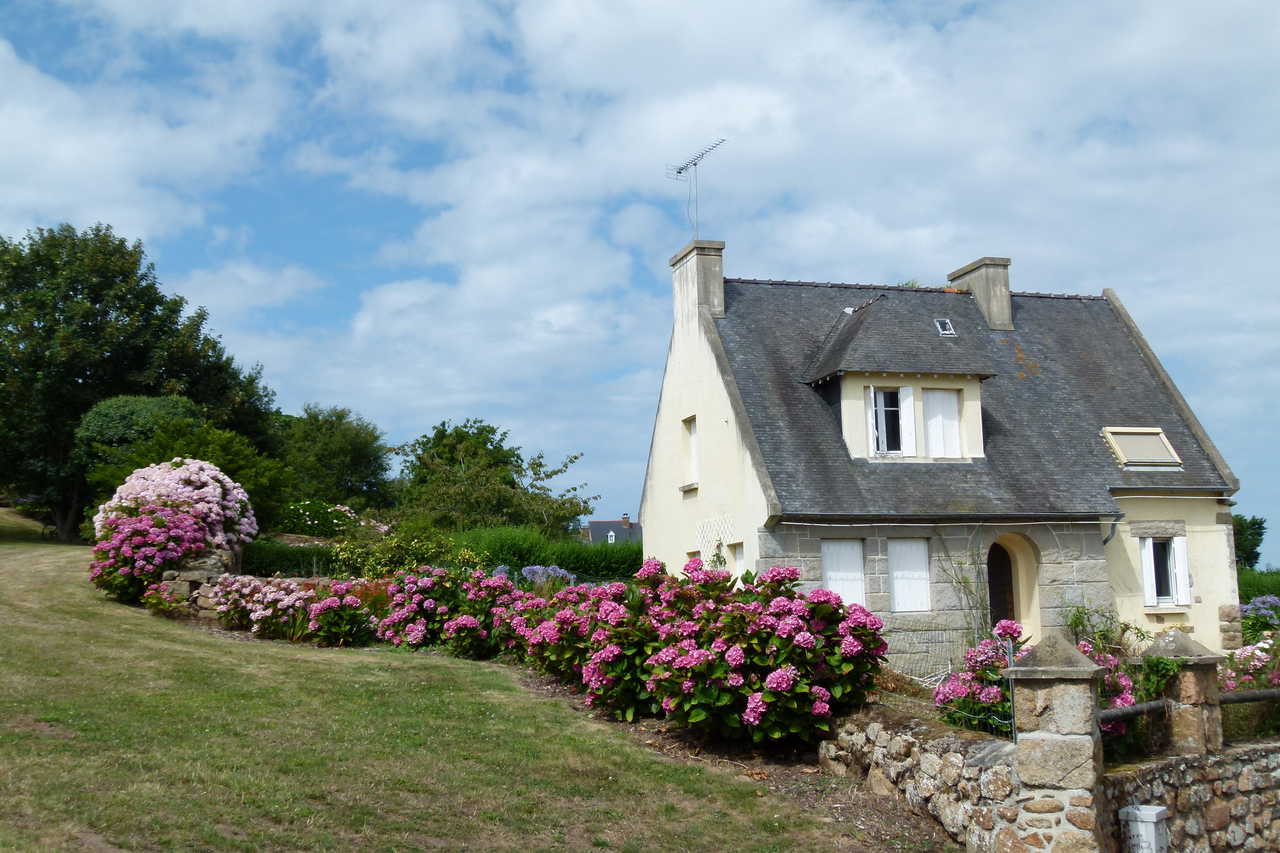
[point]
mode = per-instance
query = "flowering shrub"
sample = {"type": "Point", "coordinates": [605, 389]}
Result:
{"type": "Point", "coordinates": [537, 576]}
{"type": "Point", "coordinates": [1260, 617]}
{"type": "Point", "coordinates": [163, 601]}
{"type": "Point", "coordinates": [198, 488]}
{"type": "Point", "coordinates": [317, 518]}
{"type": "Point", "coordinates": [280, 610]}
{"type": "Point", "coordinates": [134, 550]}
{"type": "Point", "coordinates": [978, 696]}
{"type": "Point", "coordinates": [341, 618]}
{"type": "Point", "coordinates": [420, 605]}
{"type": "Point", "coordinates": [1117, 684]}
{"type": "Point", "coordinates": [1249, 668]}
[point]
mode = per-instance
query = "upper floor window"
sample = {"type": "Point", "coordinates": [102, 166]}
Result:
{"type": "Point", "coordinates": [1166, 575]}
{"type": "Point", "coordinates": [1141, 446]}
{"type": "Point", "coordinates": [942, 423]}
{"type": "Point", "coordinates": [691, 450]}
{"type": "Point", "coordinates": [891, 422]}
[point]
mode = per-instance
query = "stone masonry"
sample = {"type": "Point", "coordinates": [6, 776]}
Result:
{"type": "Point", "coordinates": [1071, 571]}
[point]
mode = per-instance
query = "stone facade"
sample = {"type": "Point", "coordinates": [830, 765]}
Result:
{"type": "Point", "coordinates": [1227, 801]}
{"type": "Point", "coordinates": [1070, 570]}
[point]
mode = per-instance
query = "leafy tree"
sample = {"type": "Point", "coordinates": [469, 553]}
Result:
{"type": "Point", "coordinates": [82, 318]}
{"type": "Point", "coordinates": [1249, 532]}
{"type": "Point", "coordinates": [266, 480]}
{"type": "Point", "coordinates": [120, 421]}
{"type": "Point", "coordinates": [336, 456]}
{"type": "Point", "coordinates": [463, 476]}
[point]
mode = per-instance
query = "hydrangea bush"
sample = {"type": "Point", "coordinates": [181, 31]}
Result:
{"type": "Point", "coordinates": [134, 550]}
{"type": "Point", "coordinates": [162, 600]}
{"type": "Point", "coordinates": [978, 696]}
{"type": "Point", "coordinates": [198, 488]}
{"type": "Point", "coordinates": [337, 614]}
{"type": "Point", "coordinates": [1117, 683]}
{"type": "Point", "coordinates": [1260, 617]}
{"type": "Point", "coordinates": [1250, 667]}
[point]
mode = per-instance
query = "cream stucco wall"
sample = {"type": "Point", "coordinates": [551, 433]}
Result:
{"type": "Point", "coordinates": [728, 503]}
{"type": "Point", "coordinates": [853, 411]}
{"type": "Point", "coordinates": [1209, 556]}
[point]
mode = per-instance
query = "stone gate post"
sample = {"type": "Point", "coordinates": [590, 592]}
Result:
{"type": "Point", "coordinates": [1195, 720]}
{"type": "Point", "coordinates": [1058, 756]}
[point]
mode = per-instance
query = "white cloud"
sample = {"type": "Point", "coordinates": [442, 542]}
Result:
{"type": "Point", "coordinates": [240, 286]}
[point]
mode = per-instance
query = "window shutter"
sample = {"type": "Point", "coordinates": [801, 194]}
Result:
{"type": "Point", "coordinates": [1148, 572]}
{"type": "Point", "coordinates": [907, 418]}
{"type": "Point", "coordinates": [942, 423]}
{"type": "Point", "coordinates": [871, 421]}
{"type": "Point", "coordinates": [909, 574]}
{"type": "Point", "coordinates": [1181, 571]}
{"type": "Point", "coordinates": [842, 569]}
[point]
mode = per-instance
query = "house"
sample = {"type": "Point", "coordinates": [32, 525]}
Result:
{"type": "Point", "coordinates": [947, 457]}
{"type": "Point", "coordinates": [613, 531]}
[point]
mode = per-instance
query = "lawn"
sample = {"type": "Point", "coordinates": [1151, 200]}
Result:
{"type": "Point", "coordinates": [122, 730]}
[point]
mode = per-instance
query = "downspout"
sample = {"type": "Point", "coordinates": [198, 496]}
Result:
{"type": "Point", "coordinates": [1115, 522]}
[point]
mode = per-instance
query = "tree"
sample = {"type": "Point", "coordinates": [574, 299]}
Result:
{"type": "Point", "coordinates": [1249, 532]}
{"type": "Point", "coordinates": [266, 480]}
{"type": "Point", "coordinates": [82, 318]}
{"type": "Point", "coordinates": [336, 456]}
{"type": "Point", "coordinates": [117, 422]}
{"type": "Point", "coordinates": [463, 476]}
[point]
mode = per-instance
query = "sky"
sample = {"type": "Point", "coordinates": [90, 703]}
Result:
{"type": "Point", "coordinates": [429, 211]}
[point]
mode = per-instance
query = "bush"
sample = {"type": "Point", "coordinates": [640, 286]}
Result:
{"type": "Point", "coordinates": [266, 558]}
{"type": "Point", "coordinates": [316, 518]}
{"type": "Point", "coordinates": [135, 550]}
{"type": "Point", "coordinates": [1259, 617]}
{"type": "Point", "coordinates": [1255, 584]}
{"type": "Point", "coordinates": [341, 619]}
{"type": "Point", "coordinates": [287, 610]}
{"type": "Point", "coordinates": [384, 557]}
{"type": "Point", "coordinates": [978, 697]}
{"type": "Point", "coordinates": [526, 546]}
{"type": "Point", "coordinates": [196, 487]}
{"type": "Point", "coordinates": [161, 600]}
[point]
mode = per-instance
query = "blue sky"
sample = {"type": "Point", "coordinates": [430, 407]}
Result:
{"type": "Point", "coordinates": [429, 211]}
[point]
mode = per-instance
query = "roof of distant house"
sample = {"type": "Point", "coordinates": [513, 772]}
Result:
{"type": "Point", "coordinates": [1070, 367]}
{"type": "Point", "coordinates": [623, 531]}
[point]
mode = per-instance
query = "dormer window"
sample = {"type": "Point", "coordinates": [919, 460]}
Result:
{"type": "Point", "coordinates": [888, 421]}
{"type": "Point", "coordinates": [944, 327]}
{"type": "Point", "coordinates": [1141, 446]}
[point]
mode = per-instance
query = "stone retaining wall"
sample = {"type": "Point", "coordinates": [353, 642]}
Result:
{"type": "Point", "coordinates": [1227, 801]}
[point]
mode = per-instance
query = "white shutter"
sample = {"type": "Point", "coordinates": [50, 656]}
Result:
{"type": "Point", "coordinates": [842, 569]}
{"type": "Point", "coordinates": [907, 419]}
{"type": "Point", "coordinates": [909, 574]}
{"type": "Point", "coordinates": [1148, 572]}
{"type": "Point", "coordinates": [942, 423]}
{"type": "Point", "coordinates": [871, 421]}
{"type": "Point", "coordinates": [1181, 571]}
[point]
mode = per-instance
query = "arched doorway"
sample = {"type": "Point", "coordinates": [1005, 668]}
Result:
{"type": "Point", "coordinates": [1000, 584]}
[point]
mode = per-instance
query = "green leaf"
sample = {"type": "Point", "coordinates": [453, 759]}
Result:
{"type": "Point", "coordinates": [697, 715]}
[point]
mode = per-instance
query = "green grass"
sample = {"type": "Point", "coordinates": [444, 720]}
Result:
{"type": "Point", "coordinates": [18, 528]}
{"type": "Point", "coordinates": [119, 729]}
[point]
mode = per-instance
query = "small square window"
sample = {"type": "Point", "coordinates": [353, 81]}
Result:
{"type": "Point", "coordinates": [1141, 446]}
{"type": "Point", "coordinates": [945, 329]}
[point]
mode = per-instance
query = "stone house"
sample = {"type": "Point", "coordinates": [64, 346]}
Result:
{"type": "Point", "coordinates": [947, 457]}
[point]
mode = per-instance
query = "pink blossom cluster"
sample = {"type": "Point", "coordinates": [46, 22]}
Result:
{"type": "Point", "coordinates": [977, 697]}
{"type": "Point", "coordinates": [133, 550]}
{"type": "Point", "coordinates": [1250, 667]}
{"type": "Point", "coordinates": [198, 488]}
{"type": "Point", "coordinates": [1117, 686]}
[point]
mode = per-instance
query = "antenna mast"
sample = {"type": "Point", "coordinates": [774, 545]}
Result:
{"type": "Point", "coordinates": [683, 172]}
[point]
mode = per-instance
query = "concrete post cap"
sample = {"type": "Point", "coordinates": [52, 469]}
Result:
{"type": "Point", "coordinates": [1172, 643]}
{"type": "Point", "coordinates": [1056, 658]}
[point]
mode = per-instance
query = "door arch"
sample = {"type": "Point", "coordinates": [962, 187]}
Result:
{"type": "Point", "coordinates": [1000, 592]}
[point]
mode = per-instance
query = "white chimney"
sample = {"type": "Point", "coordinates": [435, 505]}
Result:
{"type": "Point", "coordinates": [697, 277]}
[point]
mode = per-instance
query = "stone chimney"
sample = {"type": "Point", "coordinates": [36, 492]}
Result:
{"type": "Point", "coordinates": [988, 280]}
{"type": "Point", "coordinates": [697, 276]}
{"type": "Point", "coordinates": [626, 520]}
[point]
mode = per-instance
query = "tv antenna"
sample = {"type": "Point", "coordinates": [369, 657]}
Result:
{"type": "Point", "coordinates": [683, 172]}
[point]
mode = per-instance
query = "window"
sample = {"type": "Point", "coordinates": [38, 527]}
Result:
{"type": "Point", "coordinates": [1166, 576]}
{"type": "Point", "coordinates": [735, 558]}
{"type": "Point", "coordinates": [842, 570]}
{"type": "Point", "coordinates": [945, 329]}
{"type": "Point", "coordinates": [613, 537]}
{"type": "Point", "coordinates": [691, 450]}
{"type": "Point", "coordinates": [1141, 446]}
{"type": "Point", "coordinates": [891, 421]}
{"type": "Point", "coordinates": [942, 423]}
{"type": "Point", "coordinates": [909, 574]}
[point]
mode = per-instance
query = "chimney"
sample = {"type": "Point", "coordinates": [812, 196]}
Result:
{"type": "Point", "coordinates": [626, 520]}
{"type": "Point", "coordinates": [988, 280]}
{"type": "Point", "coordinates": [697, 277]}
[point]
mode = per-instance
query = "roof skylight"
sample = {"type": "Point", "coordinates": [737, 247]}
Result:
{"type": "Point", "coordinates": [1141, 446]}
{"type": "Point", "coordinates": [945, 329]}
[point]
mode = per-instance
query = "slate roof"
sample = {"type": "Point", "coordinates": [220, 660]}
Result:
{"type": "Point", "coordinates": [599, 531]}
{"type": "Point", "coordinates": [1068, 369]}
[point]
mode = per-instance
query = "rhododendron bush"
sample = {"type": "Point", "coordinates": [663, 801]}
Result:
{"type": "Point", "coordinates": [195, 487]}
{"type": "Point", "coordinates": [134, 550]}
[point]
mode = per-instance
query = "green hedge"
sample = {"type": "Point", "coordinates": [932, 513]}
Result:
{"type": "Point", "coordinates": [265, 558]}
{"type": "Point", "coordinates": [518, 547]}
{"type": "Point", "coordinates": [1254, 583]}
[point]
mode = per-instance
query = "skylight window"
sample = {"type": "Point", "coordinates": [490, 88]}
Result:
{"type": "Point", "coordinates": [945, 329]}
{"type": "Point", "coordinates": [1141, 446]}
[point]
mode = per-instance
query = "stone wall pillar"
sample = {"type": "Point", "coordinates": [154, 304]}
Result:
{"type": "Point", "coordinates": [1058, 755]}
{"type": "Point", "coordinates": [1195, 720]}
